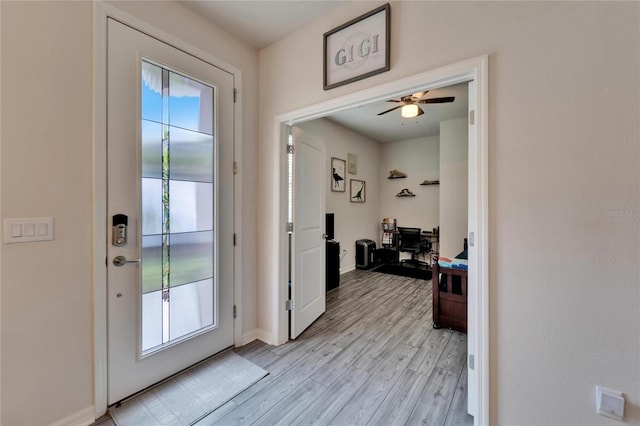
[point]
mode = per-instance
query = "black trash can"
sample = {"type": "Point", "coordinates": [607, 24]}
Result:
{"type": "Point", "coordinates": [365, 254]}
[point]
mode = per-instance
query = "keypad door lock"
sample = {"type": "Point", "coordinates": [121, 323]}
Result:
{"type": "Point", "coordinates": [119, 237]}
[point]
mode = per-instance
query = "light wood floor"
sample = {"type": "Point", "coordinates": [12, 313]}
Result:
{"type": "Point", "coordinates": [372, 358]}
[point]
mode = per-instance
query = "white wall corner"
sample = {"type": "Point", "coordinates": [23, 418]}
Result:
{"type": "Point", "coordinates": [347, 269]}
{"type": "Point", "coordinates": [265, 336]}
{"type": "Point", "coordinates": [83, 417]}
{"type": "Point", "coordinates": [248, 337]}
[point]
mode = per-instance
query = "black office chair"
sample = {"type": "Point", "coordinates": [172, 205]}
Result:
{"type": "Point", "coordinates": [410, 240]}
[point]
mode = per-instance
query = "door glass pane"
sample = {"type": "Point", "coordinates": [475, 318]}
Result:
{"type": "Point", "coordinates": [151, 206]}
{"type": "Point", "coordinates": [191, 208]}
{"type": "Point", "coordinates": [191, 155]}
{"type": "Point", "coordinates": [190, 104]}
{"type": "Point", "coordinates": [151, 151]}
{"type": "Point", "coordinates": [151, 92]}
{"type": "Point", "coordinates": [191, 308]}
{"type": "Point", "coordinates": [151, 315]}
{"type": "Point", "coordinates": [151, 263]}
{"type": "Point", "coordinates": [191, 257]}
{"type": "Point", "coordinates": [177, 202]}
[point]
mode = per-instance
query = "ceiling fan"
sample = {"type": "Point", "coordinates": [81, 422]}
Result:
{"type": "Point", "coordinates": [410, 103]}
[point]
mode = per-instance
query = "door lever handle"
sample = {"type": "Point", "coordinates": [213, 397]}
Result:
{"type": "Point", "coordinates": [121, 260]}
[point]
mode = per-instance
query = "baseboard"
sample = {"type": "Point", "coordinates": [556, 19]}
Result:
{"type": "Point", "coordinates": [258, 334]}
{"type": "Point", "coordinates": [83, 417]}
{"type": "Point", "coordinates": [248, 337]}
{"type": "Point", "coordinates": [265, 336]}
{"type": "Point", "coordinates": [347, 269]}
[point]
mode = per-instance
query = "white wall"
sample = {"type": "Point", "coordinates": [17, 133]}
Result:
{"type": "Point", "coordinates": [419, 160]}
{"type": "Point", "coordinates": [454, 155]}
{"type": "Point", "coordinates": [564, 184]}
{"type": "Point", "coordinates": [353, 221]}
{"type": "Point", "coordinates": [46, 170]}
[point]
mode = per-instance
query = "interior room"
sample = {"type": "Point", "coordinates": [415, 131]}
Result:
{"type": "Point", "coordinates": [378, 145]}
{"type": "Point", "coordinates": [557, 205]}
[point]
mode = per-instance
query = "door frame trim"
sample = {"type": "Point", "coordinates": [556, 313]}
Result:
{"type": "Point", "coordinates": [472, 69]}
{"type": "Point", "coordinates": [101, 12]}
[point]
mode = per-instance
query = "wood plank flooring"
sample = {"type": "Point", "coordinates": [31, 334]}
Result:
{"type": "Point", "coordinates": [372, 358]}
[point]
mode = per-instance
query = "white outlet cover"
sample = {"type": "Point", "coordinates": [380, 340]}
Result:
{"type": "Point", "coordinates": [609, 403]}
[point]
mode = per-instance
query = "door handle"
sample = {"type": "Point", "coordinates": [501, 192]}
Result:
{"type": "Point", "coordinates": [121, 260]}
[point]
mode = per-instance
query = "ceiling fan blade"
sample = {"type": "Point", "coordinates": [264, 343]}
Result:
{"type": "Point", "coordinates": [420, 112]}
{"type": "Point", "coordinates": [437, 100]}
{"type": "Point", "coordinates": [389, 110]}
{"type": "Point", "coordinates": [420, 95]}
{"type": "Point", "coordinates": [395, 100]}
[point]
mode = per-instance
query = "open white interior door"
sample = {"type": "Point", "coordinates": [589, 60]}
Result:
{"type": "Point", "coordinates": [308, 250]}
{"type": "Point", "coordinates": [474, 265]}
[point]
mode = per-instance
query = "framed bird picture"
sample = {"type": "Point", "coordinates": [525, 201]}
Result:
{"type": "Point", "coordinates": [358, 191]}
{"type": "Point", "coordinates": [338, 170]}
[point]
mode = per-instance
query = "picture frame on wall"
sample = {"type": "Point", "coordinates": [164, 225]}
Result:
{"type": "Point", "coordinates": [358, 49]}
{"type": "Point", "coordinates": [352, 163]}
{"type": "Point", "coordinates": [338, 174]}
{"type": "Point", "coordinates": [358, 191]}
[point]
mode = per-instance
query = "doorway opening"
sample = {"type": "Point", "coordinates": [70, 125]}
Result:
{"type": "Point", "coordinates": [473, 71]}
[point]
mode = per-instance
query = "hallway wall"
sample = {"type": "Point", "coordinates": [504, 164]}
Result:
{"type": "Point", "coordinates": [564, 184]}
{"type": "Point", "coordinates": [46, 170]}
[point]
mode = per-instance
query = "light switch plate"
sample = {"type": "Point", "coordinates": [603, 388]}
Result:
{"type": "Point", "coordinates": [28, 229]}
{"type": "Point", "coordinates": [609, 403]}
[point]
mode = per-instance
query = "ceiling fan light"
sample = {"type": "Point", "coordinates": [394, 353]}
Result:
{"type": "Point", "coordinates": [409, 111]}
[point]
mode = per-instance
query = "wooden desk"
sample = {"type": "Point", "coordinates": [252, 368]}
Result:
{"type": "Point", "coordinates": [449, 308]}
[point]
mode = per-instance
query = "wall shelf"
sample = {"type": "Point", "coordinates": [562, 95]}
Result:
{"type": "Point", "coordinates": [396, 174]}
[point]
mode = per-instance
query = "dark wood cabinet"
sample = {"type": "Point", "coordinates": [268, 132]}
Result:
{"type": "Point", "coordinates": [449, 298]}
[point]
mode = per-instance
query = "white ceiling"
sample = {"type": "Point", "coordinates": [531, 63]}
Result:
{"type": "Point", "coordinates": [391, 127]}
{"type": "Point", "coordinates": [260, 23]}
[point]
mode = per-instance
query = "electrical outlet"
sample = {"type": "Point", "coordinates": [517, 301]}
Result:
{"type": "Point", "coordinates": [609, 403]}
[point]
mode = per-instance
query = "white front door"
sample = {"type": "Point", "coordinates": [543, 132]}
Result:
{"type": "Point", "coordinates": [308, 285]}
{"type": "Point", "coordinates": [170, 178]}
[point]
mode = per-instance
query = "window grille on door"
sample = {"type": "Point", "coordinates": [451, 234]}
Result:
{"type": "Point", "coordinates": [178, 172]}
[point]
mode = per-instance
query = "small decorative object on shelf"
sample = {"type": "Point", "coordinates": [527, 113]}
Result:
{"type": "Point", "coordinates": [395, 174]}
{"type": "Point", "coordinates": [430, 182]}
{"type": "Point", "coordinates": [405, 193]}
{"type": "Point", "coordinates": [388, 224]}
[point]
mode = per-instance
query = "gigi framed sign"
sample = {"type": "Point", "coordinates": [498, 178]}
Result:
{"type": "Point", "coordinates": [357, 49]}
